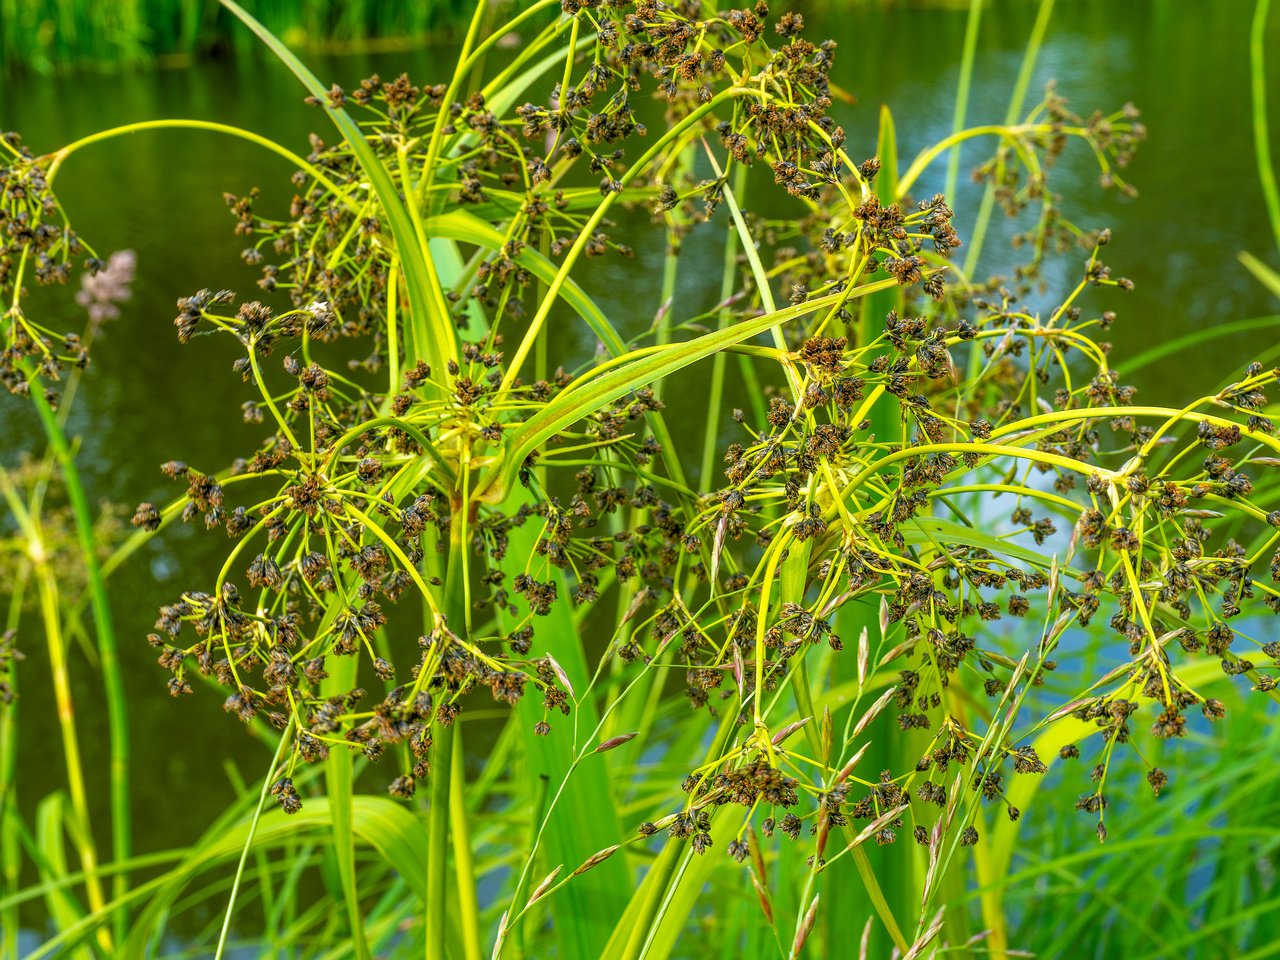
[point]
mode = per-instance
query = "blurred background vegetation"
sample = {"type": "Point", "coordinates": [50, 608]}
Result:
{"type": "Point", "coordinates": [50, 36]}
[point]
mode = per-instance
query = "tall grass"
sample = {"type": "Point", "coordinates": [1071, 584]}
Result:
{"type": "Point", "coordinates": [843, 700]}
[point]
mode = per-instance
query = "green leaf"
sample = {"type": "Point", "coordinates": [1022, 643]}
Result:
{"type": "Point", "coordinates": [627, 939]}
{"type": "Point", "coordinates": [584, 819]}
{"type": "Point", "coordinates": [693, 876]}
{"type": "Point", "coordinates": [1261, 137]}
{"type": "Point", "coordinates": [1186, 342]}
{"type": "Point", "coordinates": [1266, 276]}
{"type": "Point", "coordinates": [464, 226]}
{"type": "Point", "coordinates": [338, 785]}
{"type": "Point", "coordinates": [887, 150]}
{"type": "Point", "coordinates": [656, 897]}
{"type": "Point", "coordinates": [51, 818]}
{"type": "Point", "coordinates": [582, 398]}
{"type": "Point", "coordinates": [390, 828]}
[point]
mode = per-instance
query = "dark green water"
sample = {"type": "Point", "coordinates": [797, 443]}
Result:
{"type": "Point", "coordinates": [147, 399]}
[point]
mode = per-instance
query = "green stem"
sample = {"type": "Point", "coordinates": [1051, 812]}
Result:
{"type": "Point", "coordinates": [588, 229]}
{"type": "Point", "coordinates": [339, 786]}
{"type": "Point", "coordinates": [83, 838]}
{"type": "Point", "coordinates": [443, 752]}
{"type": "Point", "coordinates": [962, 93]}
{"type": "Point", "coordinates": [1261, 138]}
{"type": "Point", "coordinates": [10, 854]}
{"type": "Point", "coordinates": [666, 302]}
{"type": "Point", "coordinates": [662, 871]}
{"type": "Point", "coordinates": [112, 677]}
{"type": "Point", "coordinates": [61, 155]}
{"type": "Point", "coordinates": [253, 828]}
{"type": "Point", "coordinates": [664, 868]}
{"type": "Point", "coordinates": [794, 574]}
{"type": "Point", "coordinates": [438, 838]}
{"type": "Point", "coordinates": [727, 278]}
{"type": "Point", "coordinates": [469, 906]}
{"type": "Point", "coordinates": [1011, 116]}
{"type": "Point", "coordinates": [760, 274]}
{"type": "Point", "coordinates": [437, 132]}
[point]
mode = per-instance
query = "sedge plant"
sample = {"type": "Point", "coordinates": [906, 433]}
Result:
{"type": "Point", "coordinates": [821, 678]}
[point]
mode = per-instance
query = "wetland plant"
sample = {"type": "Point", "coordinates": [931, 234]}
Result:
{"type": "Point", "coordinates": [816, 652]}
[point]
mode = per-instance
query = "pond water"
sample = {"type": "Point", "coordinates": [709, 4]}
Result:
{"type": "Point", "coordinates": [146, 399]}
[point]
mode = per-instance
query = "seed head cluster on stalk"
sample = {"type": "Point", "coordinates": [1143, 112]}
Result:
{"type": "Point", "coordinates": [406, 440]}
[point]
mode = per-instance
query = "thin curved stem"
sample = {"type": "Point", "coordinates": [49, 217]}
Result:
{"type": "Point", "coordinates": [61, 155]}
{"type": "Point", "coordinates": [253, 828]}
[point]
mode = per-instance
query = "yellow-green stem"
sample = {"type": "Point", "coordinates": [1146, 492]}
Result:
{"type": "Point", "coordinates": [464, 870]}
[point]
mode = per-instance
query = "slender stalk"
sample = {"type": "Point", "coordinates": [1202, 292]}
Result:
{"type": "Point", "coordinates": [51, 612]}
{"type": "Point", "coordinates": [438, 838]}
{"type": "Point", "coordinates": [393, 331]}
{"type": "Point", "coordinates": [112, 676]}
{"type": "Point", "coordinates": [670, 268]}
{"type": "Point", "coordinates": [1261, 137]}
{"type": "Point", "coordinates": [663, 871]}
{"type": "Point", "coordinates": [339, 786]}
{"type": "Point", "coordinates": [1011, 116]}
{"type": "Point", "coordinates": [437, 133]}
{"type": "Point", "coordinates": [588, 229]}
{"type": "Point", "coordinates": [442, 761]}
{"type": "Point", "coordinates": [469, 907]}
{"type": "Point", "coordinates": [61, 155]}
{"type": "Point", "coordinates": [962, 92]}
{"type": "Point", "coordinates": [83, 836]}
{"type": "Point", "coordinates": [486, 30]}
{"type": "Point", "coordinates": [761, 277]}
{"type": "Point", "coordinates": [10, 855]}
{"type": "Point", "coordinates": [712, 431]}
{"type": "Point", "coordinates": [253, 828]}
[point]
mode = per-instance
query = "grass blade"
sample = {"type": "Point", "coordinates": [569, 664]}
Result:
{"type": "Point", "coordinates": [338, 786]}
{"type": "Point", "coordinates": [1186, 342]}
{"type": "Point", "coordinates": [1016, 102]}
{"type": "Point", "coordinates": [1266, 276]}
{"type": "Point", "coordinates": [573, 404]}
{"type": "Point", "coordinates": [962, 93]}
{"type": "Point", "coordinates": [112, 678]}
{"type": "Point", "coordinates": [1261, 136]}
{"type": "Point", "coordinates": [583, 820]}
{"type": "Point", "coordinates": [51, 816]}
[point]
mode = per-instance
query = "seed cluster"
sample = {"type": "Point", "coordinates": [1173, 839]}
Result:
{"type": "Point", "coordinates": [848, 462]}
{"type": "Point", "coordinates": [399, 462]}
{"type": "Point", "coordinates": [36, 240]}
